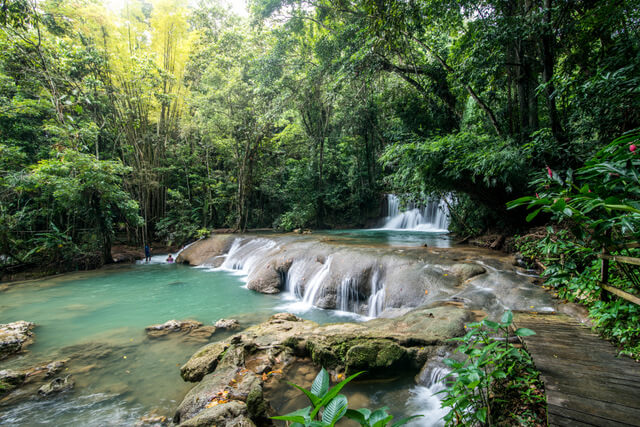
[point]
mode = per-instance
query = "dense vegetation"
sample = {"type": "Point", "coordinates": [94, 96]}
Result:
{"type": "Point", "coordinates": [159, 120]}
{"type": "Point", "coordinates": [596, 208]}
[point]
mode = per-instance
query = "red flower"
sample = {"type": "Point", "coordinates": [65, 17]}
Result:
{"type": "Point", "coordinates": [632, 148]}
{"type": "Point", "coordinates": [549, 172]}
{"type": "Point", "coordinates": [537, 197]}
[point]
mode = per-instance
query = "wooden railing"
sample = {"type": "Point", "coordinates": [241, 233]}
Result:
{"type": "Point", "coordinates": [606, 258]}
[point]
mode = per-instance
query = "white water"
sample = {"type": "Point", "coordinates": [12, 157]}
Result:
{"type": "Point", "coordinates": [433, 217]}
{"type": "Point", "coordinates": [315, 284]}
{"type": "Point", "coordinates": [245, 255]}
{"type": "Point", "coordinates": [425, 400]}
{"type": "Point", "coordinates": [376, 300]}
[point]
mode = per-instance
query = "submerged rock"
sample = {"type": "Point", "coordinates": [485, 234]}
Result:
{"type": "Point", "coordinates": [10, 380]}
{"type": "Point", "coordinates": [14, 337]}
{"type": "Point", "coordinates": [57, 385]}
{"type": "Point", "coordinates": [227, 324]}
{"type": "Point", "coordinates": [194, 328]}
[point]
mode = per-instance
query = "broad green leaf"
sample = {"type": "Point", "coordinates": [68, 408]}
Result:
{"type": "Point", "coordinates": [335, 409]}
{"type": "Point", "coordinates": [358, 415]}
{"type": "Point", "coordinates": [524, 332]}
{"type": "Point", "coordinates": [332, 393]}
{"type": "Point", "coordinates": [300, 416]}
{"type": "Point", "coordinates": [378, 415]}
{"type": "Point", "coordinates": [507, 317]}
{"type": "Point", "coordinates": [533, 214]}
{"type": "Point", "coordinates": [481, 415]}
{"type": "Point", "coordinates": [313, 398]}
{"type": "Point", "coordinates": [320, 385]}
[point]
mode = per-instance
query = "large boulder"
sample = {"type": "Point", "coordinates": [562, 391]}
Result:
{"type": "Point", "coordinates": [206, 251]}
{"type": "Point", "coordinates": [14, 337]}
{"type": "Point", "coordinates": [270, 277]}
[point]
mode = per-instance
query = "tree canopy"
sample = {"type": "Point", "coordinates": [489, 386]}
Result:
{"type": "Point", "coordinates": [162, 119]}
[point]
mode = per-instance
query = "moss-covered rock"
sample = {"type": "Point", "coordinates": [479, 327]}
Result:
{"type": "Point", "coordinates": [376, 357]}
{"type": "Point", "coordinates": [203, 362]}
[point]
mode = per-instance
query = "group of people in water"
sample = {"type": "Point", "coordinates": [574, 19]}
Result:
{"type": "Point", "coordinates": [147, 255]}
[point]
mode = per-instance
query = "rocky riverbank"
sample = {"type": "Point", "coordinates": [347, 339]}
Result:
{"type": "Point", "coordinates": [238, 377]}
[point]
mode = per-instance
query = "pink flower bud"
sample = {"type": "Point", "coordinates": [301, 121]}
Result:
{"type": "Point", "coordinates": [537, 197]}
{"type": "Point", "coordinates": [549, 172]}
{"type": "Point", "coordinates": [632, 148]}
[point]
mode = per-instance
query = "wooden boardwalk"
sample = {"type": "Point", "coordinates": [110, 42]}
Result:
{"type": "Point", "coordinates": [586, 384]}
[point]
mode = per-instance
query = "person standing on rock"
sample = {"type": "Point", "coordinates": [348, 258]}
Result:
{"type": "Point", "coordinates": [147, 253]}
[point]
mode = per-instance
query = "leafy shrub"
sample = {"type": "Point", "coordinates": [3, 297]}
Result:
{"type": "Point", "coordinates": [599, 204]}
{"type": "Point", "coordinates": [497, 382]}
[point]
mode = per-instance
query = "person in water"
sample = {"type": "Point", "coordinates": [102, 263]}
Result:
{"type": "Point", "coordinates": [169, 258]}
{"type": "Point", "coordinates": [147, 253]}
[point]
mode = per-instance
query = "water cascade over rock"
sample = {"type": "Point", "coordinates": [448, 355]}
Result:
{"type": "Point", "coordinates": [434, 216]}
{"type": "Point", "coordinates": [371, 280]}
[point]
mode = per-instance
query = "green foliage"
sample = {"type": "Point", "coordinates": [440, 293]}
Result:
{"type": "Point", "coordinates": [497, 382]}
{"type": "Point", "coordinates": [599, 205]}
{"type": "Point", "coordinates": [334, 406]}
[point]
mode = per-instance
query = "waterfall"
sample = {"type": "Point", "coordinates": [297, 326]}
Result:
{"type": "Point", "coordinates": [316, 282]}
{"type": "Point", "coordinates": [308, 278]}
{"type": "Point", "coordinates": [434, 216]}
{"type": "Point", "coordinates": [425, 399]}
{"type": "Point", "coordinates": [244, 255]}
{"type": "Point", "coordinates": [376, 300]}
{"type": "Point", "coordinates": [348, 295]}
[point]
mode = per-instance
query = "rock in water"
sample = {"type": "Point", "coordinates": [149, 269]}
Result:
{"type": "Point", "coordinates": [14, 337]}
{"type": "Point", "coordinates": [203, 362]}
{"type": "Point", "coordinates": [227, 324]}
{"type": "Point", "coordinates": [57, 385]}
{"type": "Point", "coordinates": [10, 380]}
{"type": "Point", "coordinates": [173, 325]}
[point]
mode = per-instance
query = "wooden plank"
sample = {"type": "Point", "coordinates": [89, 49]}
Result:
{"type": "Point", "coordinates": [613, 413]}
{"type": "Point", "coordinates": [622, 294]}
{"type": "Point", "coordinates": [585, 382]}
{"type": "Point", "coordinates": [559, 416]}
{"type": "Point", "coordinates": [620, 258]}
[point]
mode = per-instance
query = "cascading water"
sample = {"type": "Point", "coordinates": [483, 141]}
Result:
{"type": "Point", "coordinates": [432, 217]}
{"type": "Point", "coordinates": [315, 284]}
{"type": "Point", "coordinates": [424, 399]}
{"type": "Point", "coordinates": [245, 255]}
{"type": "Point", "coordinates": [348, 295]}
{"type": "Point", "coordinates": [376, 300]}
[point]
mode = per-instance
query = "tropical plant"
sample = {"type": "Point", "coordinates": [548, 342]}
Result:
{"type": "Point", "coordinates": [334, 406]}
{"type": "Point", "coordinates": [599, 207]}
{"type": "Point", "coordinates": [494, 375]}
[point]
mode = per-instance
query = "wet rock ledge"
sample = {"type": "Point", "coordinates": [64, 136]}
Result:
{"type": "Point", "coordinates": [14, 337]}
{"type": "Point", "coordinates": [235, 376]}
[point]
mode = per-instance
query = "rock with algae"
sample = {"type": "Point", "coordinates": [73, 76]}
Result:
{"type": "Point", "coordinates": [233, 373]}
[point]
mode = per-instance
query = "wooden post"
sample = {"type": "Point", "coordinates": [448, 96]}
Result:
{"type": "Point", "coordinates": [604, 275]}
